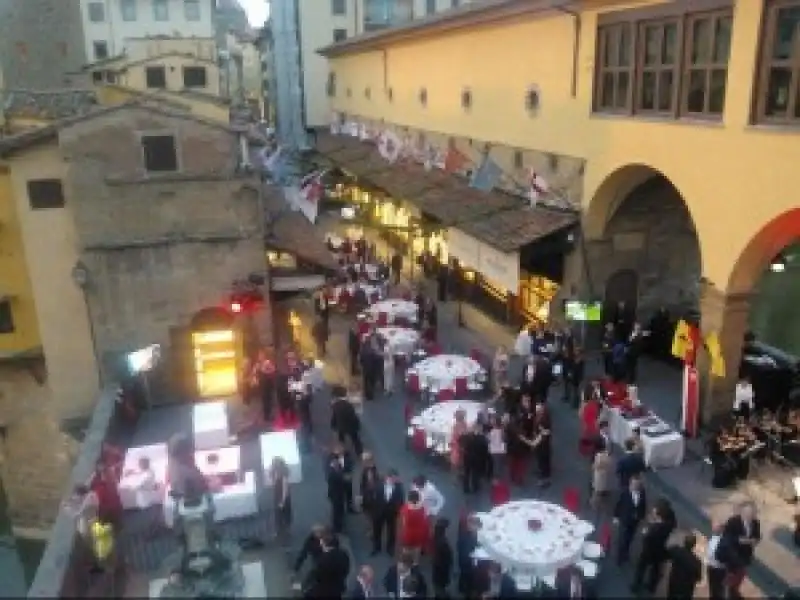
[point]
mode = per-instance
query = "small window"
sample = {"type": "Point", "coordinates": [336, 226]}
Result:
{"type": "Point", "coordinates": [339, 35]}
{"type": "Point", "coordinates": [368, 93]}
{"type": "Point", "coordinates": [45, 193]}
{"type": "Point", "coordinates": [532, 100]}
{"type": "Point", "coordinates": [338, 7]}
{"type": "Point", "coordinates": [423, 97]}
{"type": "Point", "coordinates": [194, 77]}
{"type": "Point", "coordinates": [111, 77]}
{"type": "Point", "coordinates": [160, 10]}
{"type": "Point", "coordinates": [466, 99]}
{"type": "Point", "coordinates": [430, 7]}
{"type": "Point", "coordinates": [160, 154]}
{"type": "Point", "coordinates": [6, 317]}
{"type": "Point", "coordinates": [97, 76]}
{"type": "Point", "coordinates": [100, 50]}
{"type": "Point", "coordinates": [330, 88]}
{"type": "Point", "coordinates": [128, 9]}
{"type": "Point", "coordinates": [156, 77]}
{"type": "Point", "coordinates": [97, 12]}
{"type": "Point", "coordinates": [519, 159]}
{"type": "Point", "coordinates": [390, 94]}
{"type": "Point", "coordinates": [191, 10]}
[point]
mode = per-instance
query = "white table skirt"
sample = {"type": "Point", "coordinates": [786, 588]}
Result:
{"type": "Point", "coordinates": [394, 309]}
{"type": "Point", "coordinates": [135, 494]}
{"type": "Point", "coordinates": [437, 420]}
{"type": "Point", "coordinates": [660, 452]}
{"type": "Point", "coordinates": [228, 461]}
{"type": "Point", "coordinates": [441, 372]}
{"type": "Point", "coordinates": [234, 501]}
{"type": "Point", "coordinates": [368, 288]}
{"type": "Point", "coordinates": [284, 445]}
{"type": "Point", "coordinates": [210, 425]}
{"type": "Point", "coordinates": [401, 340]}
{"type": "Point", "coordinates": [132, 495]}
{"type": "Point", "coordinates": [506, 537]}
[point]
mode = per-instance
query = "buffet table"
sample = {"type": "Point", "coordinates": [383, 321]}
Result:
{"type": "Point", "coordinates": [441, 371]}
{"type": "Point", "coordinates": [394, 309]}
{"type": "Point", "coordinates": [663, 446]}
{"type": "Point", "coordinates": [400, 340]}
{"type": "Point", "coordinates": [437, 420]}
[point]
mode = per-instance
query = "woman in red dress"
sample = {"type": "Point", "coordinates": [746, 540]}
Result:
{"type": "Point", "coordinates": [104, 486]}
{"type": "Point", "coordinates": [413, 525]}
{"type": "Point", "coordinates": [589, 413]}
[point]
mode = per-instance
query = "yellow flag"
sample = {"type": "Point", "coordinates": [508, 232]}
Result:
{"type": "Point", "coordinates": [680, 341]}
{"type": "Point", "coordinates": [715, 354]}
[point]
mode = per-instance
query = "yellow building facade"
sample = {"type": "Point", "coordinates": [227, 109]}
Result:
{"type": "Point", "coordinates": [677, 92]}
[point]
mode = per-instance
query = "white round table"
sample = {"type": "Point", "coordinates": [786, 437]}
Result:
{"type": "Point", "coordinates": [369, 290]}
{"type": "Point", "coordinates": [401, 340]}
{"type": "Point", "coordinates": [370, 269]}
{"type": "Point", "coordinates": [441, 372]}
{"type": "Point", "coordinates": [509, 537]}
{"type": "Point", "coordinates": [334, 240]}
{"type": "Point", "coordinates": [437, 420]}
{"type": "Point", "coordinates": [394, 309]}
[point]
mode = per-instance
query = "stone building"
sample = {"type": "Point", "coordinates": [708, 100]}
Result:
{"type": "Point", "coordinates": [134, 220]}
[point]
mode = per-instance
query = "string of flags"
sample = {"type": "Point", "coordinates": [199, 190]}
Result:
{"type": "Point", "coordinates": [685, 344]}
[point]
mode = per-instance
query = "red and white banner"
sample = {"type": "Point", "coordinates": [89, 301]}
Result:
{"type": "Point", "coordinates": [691, 401]}
{"type": "Point", "coordinates": [537, 187]}
{"type": "Point", "coordinates": [307, 196]}
{"type": "Point", "coordinates": [389, 146]}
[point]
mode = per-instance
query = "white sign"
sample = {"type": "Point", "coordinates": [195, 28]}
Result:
{"type": "Point", "coordinates": [500, 268]}
{"type": "Point", "coordinates": [141, 361]}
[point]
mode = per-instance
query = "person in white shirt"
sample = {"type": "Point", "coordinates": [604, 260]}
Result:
{"type": "Point", "coordinates": [431, 498]}
{"type": "Point", "coordinates": [743, 398]}
{"type": "Point", "coordinates": [148, 475]}
{"type": "Point", "coordinates": [497, 446]}
{"type": "Point", "coordinates": [715, 570]}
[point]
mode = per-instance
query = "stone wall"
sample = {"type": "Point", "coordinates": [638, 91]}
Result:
{"type": "Point", "coordinates": [651, 233]}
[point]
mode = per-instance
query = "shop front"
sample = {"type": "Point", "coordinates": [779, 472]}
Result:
{"type": "Point", "coordinates": [217, 351]}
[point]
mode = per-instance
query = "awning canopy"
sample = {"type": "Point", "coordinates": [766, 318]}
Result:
{"type": "Point", "coordinates": [458, 202]}
{"type": "Point", "coordinates": [510, 230]}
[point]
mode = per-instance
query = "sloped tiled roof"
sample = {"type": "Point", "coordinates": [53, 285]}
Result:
{"type": "Point", "coordinates": [48, 104]}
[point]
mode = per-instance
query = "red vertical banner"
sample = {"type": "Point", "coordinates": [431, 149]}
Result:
{"type": "Point", "coordinates": [691, 401]}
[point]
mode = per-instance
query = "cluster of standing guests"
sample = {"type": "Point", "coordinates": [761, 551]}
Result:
{"type": "Point", "coordinates": [622, 345]}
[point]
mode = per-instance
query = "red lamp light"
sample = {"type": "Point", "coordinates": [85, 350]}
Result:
{"type": "Point", "coordinates": [236, 307]}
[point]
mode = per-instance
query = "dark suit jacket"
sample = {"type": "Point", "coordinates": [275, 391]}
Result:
{"type": "Point", "coordinates": [508, 588]}
{"type": "Point", "coordinates": [442, 563]}
{"type": "Point", "coordinates": [564, 583]}
{"type": "Point", "coordinates": [475, 448]}
{"type": "Point", "coordinates": [654, 542]}
{"type": "Point", "coordinates": [735, 529]}
{"type": "Point", "coordinates": [338, 477]}
{"type": "Point", "coordinates": [465, 546]}
{"type": "Point", "coordinates": [356, 592]}
{"type": "Point", "coordinates": [370, 488]}
{"type": "Point", "coordinates": [344, 417]}
{"type": "Point", "coordinates": [629, 465]}
{"type": "Point", "coordinates": [390, 582]}
{"type": "Point", "coordinates": [329, 577]}
{"type": "Point", "coordinates": [685, 573]}
{"type": "Point", "coordinates": [391, 508]}
{"type": "Point", "coordinates": [629, 514]}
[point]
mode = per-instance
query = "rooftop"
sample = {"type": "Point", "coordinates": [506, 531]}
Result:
{"type": "Point", "coordinates": [49, 105]}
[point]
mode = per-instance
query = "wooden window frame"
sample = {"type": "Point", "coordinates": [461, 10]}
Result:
{"type": "Point", "coordinates": [657, 68]}
{"type": "Point", "coordinates": [144, 138]}
{"type": "Point", "coordinates": [680, 12]}
{"type": "Point", "coordinates": [709, 67]}
{"type": "Point", "coordinates": [766, 64]}
{"type": "Point", "coordinates": [45, 194]}
{"type": "Point", "coordinates": [155, 69]}
{"type": "Point", "coordinates": [188, 72]}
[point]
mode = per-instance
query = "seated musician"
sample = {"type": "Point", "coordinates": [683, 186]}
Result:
{"type": "Point", "coordinates": [724, 463]}
{"type": "Point", "coordinates": [743, 399]}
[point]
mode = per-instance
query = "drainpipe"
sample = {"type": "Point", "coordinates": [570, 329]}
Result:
{"type": "Point", "coordinates": [576, 46]}
{"type": "Point", "coordinates": [385, 59]}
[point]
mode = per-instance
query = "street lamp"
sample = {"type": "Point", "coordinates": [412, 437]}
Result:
{"type": "Point", "coordinates": [81, 278]}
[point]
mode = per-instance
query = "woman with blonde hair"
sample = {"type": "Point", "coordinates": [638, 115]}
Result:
{"type": "Point", "coordinates": [281, 498]}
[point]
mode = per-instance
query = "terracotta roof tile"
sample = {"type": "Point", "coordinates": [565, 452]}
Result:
{"type": "Point", "coordinates": [510, 230]}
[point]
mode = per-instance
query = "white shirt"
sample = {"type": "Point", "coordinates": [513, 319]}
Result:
{"type": "Point", "coordinates": [636, 497]}
{"type": "Point", "coordinates": [575, 587]}
{"type": "Point", "coordinates": [388, 490]}
{"type": "Point", "coordinates": [711, 550]}
{"type": "Point", "coordinates": [743, 395]}
{"type": "Point", "coordinates": [496, 443]}
{"type": "Point", "coordinates": [432, 499]}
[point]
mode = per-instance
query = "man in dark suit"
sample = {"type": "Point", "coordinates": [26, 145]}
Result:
{"type": "Point", "coordinates": [388, 501]}
{"type": "Point", "coordinates": [362, 588]}
{"type": "Point", "coordinates": [654, 547]}
{"type": "Point", "coordinates": [328, 579]}
{"type": "Point", "coordinates": [528, 377]}
{"type": "Point", "coordinates": [353, 349]}
{"type": "Point", "coordinates": [571, 583]}
{"type": "Point", "coordinates": [741, 535]}
{"type": "Point", "coordinates": [345, 421]}
{"type": "Point", "coordinates": [493, 583]}
{"type": "Point", "coordinates": [475, 458]}
{"type": "Point", "coordinates": [602, 441]}
{"type": "Point", "coordinates": [466, 544]}
{"type": "Point", "coordinates": [340, 485]}
{"type": "Point", "coordinates": [631, 464]}
{"type": "Point", "coordinates": [631, 508]}
{"type": "Point", "coordinates": [686, 569]}
{"type": "Point", "coordinates": [405, 580]}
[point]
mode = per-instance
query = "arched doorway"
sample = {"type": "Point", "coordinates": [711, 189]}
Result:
{"type": "Point", "coordinates": [642, 244]}
{"type": "Point", "coordinates": [216, 352]}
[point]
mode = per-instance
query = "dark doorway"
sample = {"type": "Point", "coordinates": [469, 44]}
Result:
{"type": "Point", "coordinates": [622, 286]}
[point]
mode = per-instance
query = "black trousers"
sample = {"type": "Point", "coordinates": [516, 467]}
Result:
{"type": "Point", "coordinates": [544, 460]}
{"type": "Point", "coordinates": [354, 364]}
{"type": "Point", "coordinates": [471, 474]}
{"type": "Point", "coordinates": [625, 536]}
{"type": "Point", "coordinates": [355, 439]}
{"type": "Point", "coordinates": [716, 583]}
{"type": "Point", "coordinates": [267, 398]}
{"type": "Point", "coordinates": [338, 508]}
{"type": "Point", "coordinates": [648, 572]}
{"type": "Point", "coordinates": [384, 523]}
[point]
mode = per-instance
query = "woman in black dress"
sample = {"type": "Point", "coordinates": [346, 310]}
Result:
{"type": "Point", "coordinates": [282, 499]}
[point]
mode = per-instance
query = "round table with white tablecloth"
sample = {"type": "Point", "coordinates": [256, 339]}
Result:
{"type": "Point", "coordinates": [437, 420]}
{"type": "Point", "coordinates": [401, 340]}
{"type": "Point", "coordinates": [369, 289]}
{"type": "Point", "coordinates": [394, 309]}
{"type": "Point", "coordinates": [441, 371]}
{"type": "Point", "coordinates": [532, 537]}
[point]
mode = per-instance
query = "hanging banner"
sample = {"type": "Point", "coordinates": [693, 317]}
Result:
{"type": "Point", "coordinates": [691, 401]}
{"type": "Point", "coordinates": [500, 268]}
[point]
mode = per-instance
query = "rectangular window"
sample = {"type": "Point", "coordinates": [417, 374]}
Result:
{"type": "Point", "coordinates": [657, 57]}
{"type": "Point", "coordinates": [155, 77]}
{"type": "Point", "coordinates": [339, 35]}
{"type": "Point", "coordinates": [338, 7]}
{"type": "Point", "coordinates": [128, 8]}
{"type": "Point", "coordinates": [330, 88]}
{"type": "Point", "coordinates": [708, 45]}
{"type": "Point", "coordinates": [160, 154]}
{"type": "Point", "coordinates": [97, 76]}
{"type": "Point", "coordinates": [615, 68]}
{"type": "Point", "coordinates": [194, 77]}
{"type": "Point", "coordinates": [191, 10]}
{"type": "Point", "coordinates": [100, 50]}
{"type": "Point", "coordinates": [45, 193]}
{"type": "Point", "coordinates": [97, 12]}
{"type": "Point", "coordinates": [778, 91]}
{"type": "Point", "coordinates": [430, 7]}
{"type": "Point", "coordinates": [6, 317]}
{"type": "Point", "coordinates": [160, 10]}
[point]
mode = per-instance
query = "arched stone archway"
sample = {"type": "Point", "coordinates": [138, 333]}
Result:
{"type": "Point", "coordinates": [211, 319]}
{"type": "Point", "coordinates": [638, 222]}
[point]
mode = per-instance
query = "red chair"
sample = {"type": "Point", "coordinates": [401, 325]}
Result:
{"type": "Point", "coordinates": [408, 411]}
{"type": "Point", "coordinates": [413, 383]}
{"type": "Point", "coordinates": [446, 395]}
{"type": "Point", "coordinates": [344, 297]}
{"type": "Point", "coordinates": [572, 499]}
{"type": "Point", "coordinates": [461, 387]}
{"type": "Point", "coordinates": [475, 355]}
{"type": "Point", "coordinates": [419, 441]}
{"type": "Point", "coordinates": [435, 349]}
{"type": "Point", "coordinates": [374, 297]}
{"type": "Point", "coordinates": [586, 446]}
{"type": "Point", "coordinates": [604, 538]}
{"type": "Point", "coordinates": [363, 328]}
{"type": "Point", "coordinates": [407, 296]}
{"type": "Point", "coordinates": [383, 319]}
{"type": "Point", "coordinates": [500, 492]}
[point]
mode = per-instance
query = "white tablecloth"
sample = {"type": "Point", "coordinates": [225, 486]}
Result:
{"type": "Point", "coordinates": [228, 461]}
{"type": "Point", "coordinates": [369, 290]}
{"type": "Point", "coordinates": [507, 538]}
{"type": "Point", "coordinates": [210, 425]}
{"type": "Point", "coordinates": [132, 491]}
{"type": "Point", "coordinates": [401, 340]}
{"type": "Point", "coordinates": [441, 372]}
{"type": "Point", "coordinates": [404, 309]}
{"type": "Point", "coordinates": [660, 452]}
{"type": "Point", "coordinates": [283, 444]}
{"type": "Point", "coordinates": [232, 502]}
{"type": "Point", "coordinates": [437, 420]}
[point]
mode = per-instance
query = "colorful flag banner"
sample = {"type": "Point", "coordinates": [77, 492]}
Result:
{"type": "Point", "coordinates": [680, 340]}
{"type": "Point", "coordinates": [487, 175]}
{"type": "Point", "coordinates": [537, 187]}
{"type": "Point", "coordinates": [454, 160]}
{"type": "Point", "coordinates": [306, 197]}
{"type": "Point", "coordinates": [717, 359]}
{"type": "Point", "coordinates": [389, 146]}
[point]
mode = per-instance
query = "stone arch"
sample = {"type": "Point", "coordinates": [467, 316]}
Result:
{"type": "Point", "coordinates": [210, 319]}
{"type": "Point", "coordinates": [638, 221]}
